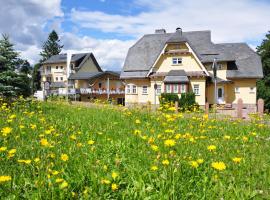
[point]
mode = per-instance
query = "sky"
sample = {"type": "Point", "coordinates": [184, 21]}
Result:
{"type": "Point", "coordinates": [108, 28]}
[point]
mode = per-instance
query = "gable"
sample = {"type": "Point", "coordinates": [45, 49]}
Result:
{"type": "Point", "coordinates": [89, 64]}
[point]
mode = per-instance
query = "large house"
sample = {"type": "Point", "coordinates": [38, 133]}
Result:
{"type": "Point", "coordinates": [84, 77]}
{"type": "Point", "coordinates": [182, 62]}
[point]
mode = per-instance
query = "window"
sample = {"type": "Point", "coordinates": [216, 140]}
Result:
{"type": "Point", "coordinates": [219, 66]}
{"type": "Point", "coordinates": [134, 89]}
{"type": "Point", "coordinates": [176, 61]}
{"type": "Point", "coordinates": [144, 89]}
{"type": "Point", "coordinates": [252, 90]}
{"type": "Point", "coordinates": [175, 88]}
{"type": "Point", "coordinates": [56, 67]}
{"type": "Point", "coordinates": [61, 78]}
{"type": "Point", "coordinates": [61, 67]}
{"type": "Point", "coordinates": [196, 89]}
{"type": "Point", "coordinates": [183, 88]}
{"type": "Point", "coordinates": [56, 78]}
{"type": "Point", "coordinates": [99, 85]}
{"type": "Point", "coordinates": [158, 89]}
{"type": "Point", "coordinates": [168, 88]}
{"type": "Point", "coordinates": [236, 89]}
{"type": "Point", "coordinates": [128, 89]}
{"type": "Point", "coordinates": [49, 79]}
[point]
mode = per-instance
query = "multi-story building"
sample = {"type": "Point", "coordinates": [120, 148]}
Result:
{"type": "Point", "coordinates": [182, 61]}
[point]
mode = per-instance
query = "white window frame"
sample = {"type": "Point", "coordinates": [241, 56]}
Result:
{"type": "Point", "coordinates": [158, 89]}
{"type": "Point", "coordinates": [56, 79]}
{"type": "Point", "coordinates": [183, 88]}
{"type": "Point", "coordinates": [177, 61]}
{"type": "Point", "coordinates": [168, 88]}
{"type": "Point", "coordinates": [144, 89]}
{"type": "Point", "coordinates": [252, 90]}
{"type": "Point", "coordinates": [134, 89]}
{"type": "Point", "coordinates": [61, 78]}
{"type": "Point", "coordinates": [131, 89]}
{"type": "Point", "coordinates": [236, 90]}
{"type": "Point", "coordinates": [175, 88]}
{"type": "Point", "coordinates": [196, 89]}
{"type": "Point", "coordinates": [128, 91]}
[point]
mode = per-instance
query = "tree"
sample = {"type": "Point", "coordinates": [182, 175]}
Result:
{"type": "Point", "coordinates": [264, 84]}
{"type": "Point", "coordinates": [36, 77]}
{"type": "Point", "coordinates": [25, 67]}
{"type": "Point", "coordinates": [51, 47]}
{"type": "Point", "coordinates": [12, 83]}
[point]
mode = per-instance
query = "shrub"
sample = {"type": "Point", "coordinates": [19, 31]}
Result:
{"type": "Point", "coordinates": [187, 101]}
{"type": "Point", "coordinates": [168, 98]}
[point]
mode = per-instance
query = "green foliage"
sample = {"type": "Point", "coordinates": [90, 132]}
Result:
{"type": "Point", "coordinates": [12, 83]}
{"type": "Point", "coordinates": [36, 77]}
{"type": "Point", "coordinates": [168, 98]}
{"type": "Point", "coordinates": [263, 86]}
{"type": "Point", "coordinates": [51, 46]}
{"type": "Point", "coordinates": [187, 101]}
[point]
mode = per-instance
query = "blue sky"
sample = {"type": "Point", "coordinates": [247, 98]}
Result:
{"type": "Point", "coordinates": [109, 27]}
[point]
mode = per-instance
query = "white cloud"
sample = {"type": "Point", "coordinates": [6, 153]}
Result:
{"type": "Point", "coordinates": [229, 20]}
{"type": "Point", "coordinates": [110, 54]}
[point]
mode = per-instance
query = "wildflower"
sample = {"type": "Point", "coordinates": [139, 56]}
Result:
{"type": "Point", "coordinates": [73, 137]}
{"type": "Point", "coordinates": [63, 185]}
{"type": "Point", "coordinates": [169, 143]}
{"type": "Point", "coordinates": [177, 136]}
{"type": "Point", "coordinates": [59, 180]}
{"type": "Point", "coordinates": [6, 130]}
{"type": "Point", "coordinates": [165, 162]}
{"type": "Point", "coordinates": [11, 153]}
{"type": "Point", "coordinates": [137, 121]}
{"type": "Point", "coordinates": [114, 186]}
{"type": "Point", "coordinates": [105, 181]}
{"type": "Point", "coordinates": [5, 178]}
{"type": "Point", "coordinates": [24, 161]}
{"type": "Point", "coordinates": [64, 157]}
{"type": "Point", "coordinates": [154, 147]}
{"type": "Point", "coordinates": [154, 168]}
{"type": "Point", "coordinates": [3, 149]}
{"type": "Point", "coordinates": [36, 160]}
{"type": "Point", "coordinates": [105, 167]}
{"type": "Point", "coordinates": [33, 126]}
{"type": "Point", "coordinates": [21, 126]}
{"type": "Point", "coordinates": [55, 172]}
{"type": "Point", "coordinates": [211, 147]}
{"type": "Point", "coordinates": [44, 142]}
{"type": "Point", "coordinates": [91, 142]}
{"type": "Point", "coordinates": [227, 137]}
{"type": "Point", "coordinates": [236, 159]}
{"type": "Point", "coordinates": [200, 161]}
{"type": "Point", "coordinates": [137, 132]}
{"type": "Point", "coordinates": [194, 164]}
{"type": "Point", "coordinates": [219, 166]}
{"type": "Point", "coordinates": [114, 175]}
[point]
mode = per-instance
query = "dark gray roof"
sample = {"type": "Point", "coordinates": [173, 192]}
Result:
{"type": "Point", "coordinates": [91, 75]}
{"type": "Point", "coordinates": [62, 58]}
{"type": "Point", "coordinates": [176, 76]}
{"type": "Point", "coordinates": [142, 56]}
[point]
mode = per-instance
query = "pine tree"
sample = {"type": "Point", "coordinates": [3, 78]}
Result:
{"type": "Point", "coordinates": [51, 47]}
{"type": "Point", "coordinates": [264, 85]}
{"type": "Point", "coordinates": [12, 83]}
{"type": "Point", "coordinates": [36, 77]}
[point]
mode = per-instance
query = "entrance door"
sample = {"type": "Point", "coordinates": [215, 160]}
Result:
{"type": "Point", "coordinates": [220, 95]}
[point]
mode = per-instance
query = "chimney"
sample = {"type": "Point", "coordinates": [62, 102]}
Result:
{"type": "Point", "coordinates": [160, 31]}
{"type": "Point", "coordinates": [179, 30]}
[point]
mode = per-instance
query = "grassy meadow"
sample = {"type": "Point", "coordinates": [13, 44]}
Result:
{"type": "Point", "coordinates": [58, 151]}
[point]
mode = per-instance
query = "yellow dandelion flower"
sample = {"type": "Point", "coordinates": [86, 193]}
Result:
{"type": "Point", "coordinates": [91, 142]}
{"type": "Point", "coordinates": [21, 126]}
{"type": "Point", "coordinates": [63, 185]}
{"type": "Point", "coordinates": [177, 136]}
{"type": "Point", "coordinates": [44, 142]}
{"type": "Point", "coordinates": [114, 175]}
{"type": "Point", "coordinates": [219, 166]}
{"type": "Point", "coordinates": [154, 147]}
{"type": "Point", "coordinates": [3, 149]}
{"type": "Point", "coordinates": [154, 168]}
{"type": "Point", "coordinates": [64, 157]}
{"type": "Point", "coordinates": [169, 143]}
{"type": "Point", "coordinates": [105, 181]}
{"type": "Point", "coordinates": [24, 161]}
{"type": "Point", "coordinates": [12, 151]}
{"type": "Point", "coordinates": [200, 161]}
{"type": "Point", "coordinates": [114, 186]}
{"type": "Point", "coordinates": [59, 180]}
{"type": "Point", "coordinates": [211, 147]}
{"type": "Point", "coordinates": [36, 160]}
{"type": "Point", "coordinates": [55, 172]}
{"type": "Point", "coordinates": [33, 126]}
{"type": "Point", "coordinates": [194, 164]}
{"type": "Point", "coordinates": [137, 121]}
{"type": "Point", "coordinates": [6, 130]}
{"type": "Point", "coordinates": [236, 159]}
{"type": "Point", "coordinates": [73, 137]}
{"type": "Point", "coordinates": [5, 178]}
{"type": "Point", "coordinates": [227, 137]}
{"type": "Point", "coordinates": [165, 162]}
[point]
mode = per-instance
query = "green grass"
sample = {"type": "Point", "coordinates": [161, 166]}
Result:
{"type": "Point", "coordinates": [123, 146]}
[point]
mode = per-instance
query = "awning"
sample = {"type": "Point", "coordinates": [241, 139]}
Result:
{"type": "Point", "coordinates": [176, 76]}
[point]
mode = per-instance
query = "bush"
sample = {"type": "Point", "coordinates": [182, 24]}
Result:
{"type": "Point", "coordinates": [168, 98]}
{"type": "Point", "coordinates": [187, 101]}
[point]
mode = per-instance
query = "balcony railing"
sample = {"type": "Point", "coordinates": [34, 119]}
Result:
{"type": "Point", "coordinates": [45, 73]}
{"type": "Point", "coordinates": [63, 91]}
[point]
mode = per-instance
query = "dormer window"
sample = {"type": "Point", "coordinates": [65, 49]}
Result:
{"type": "Point", "coordinates": [176, 61]}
